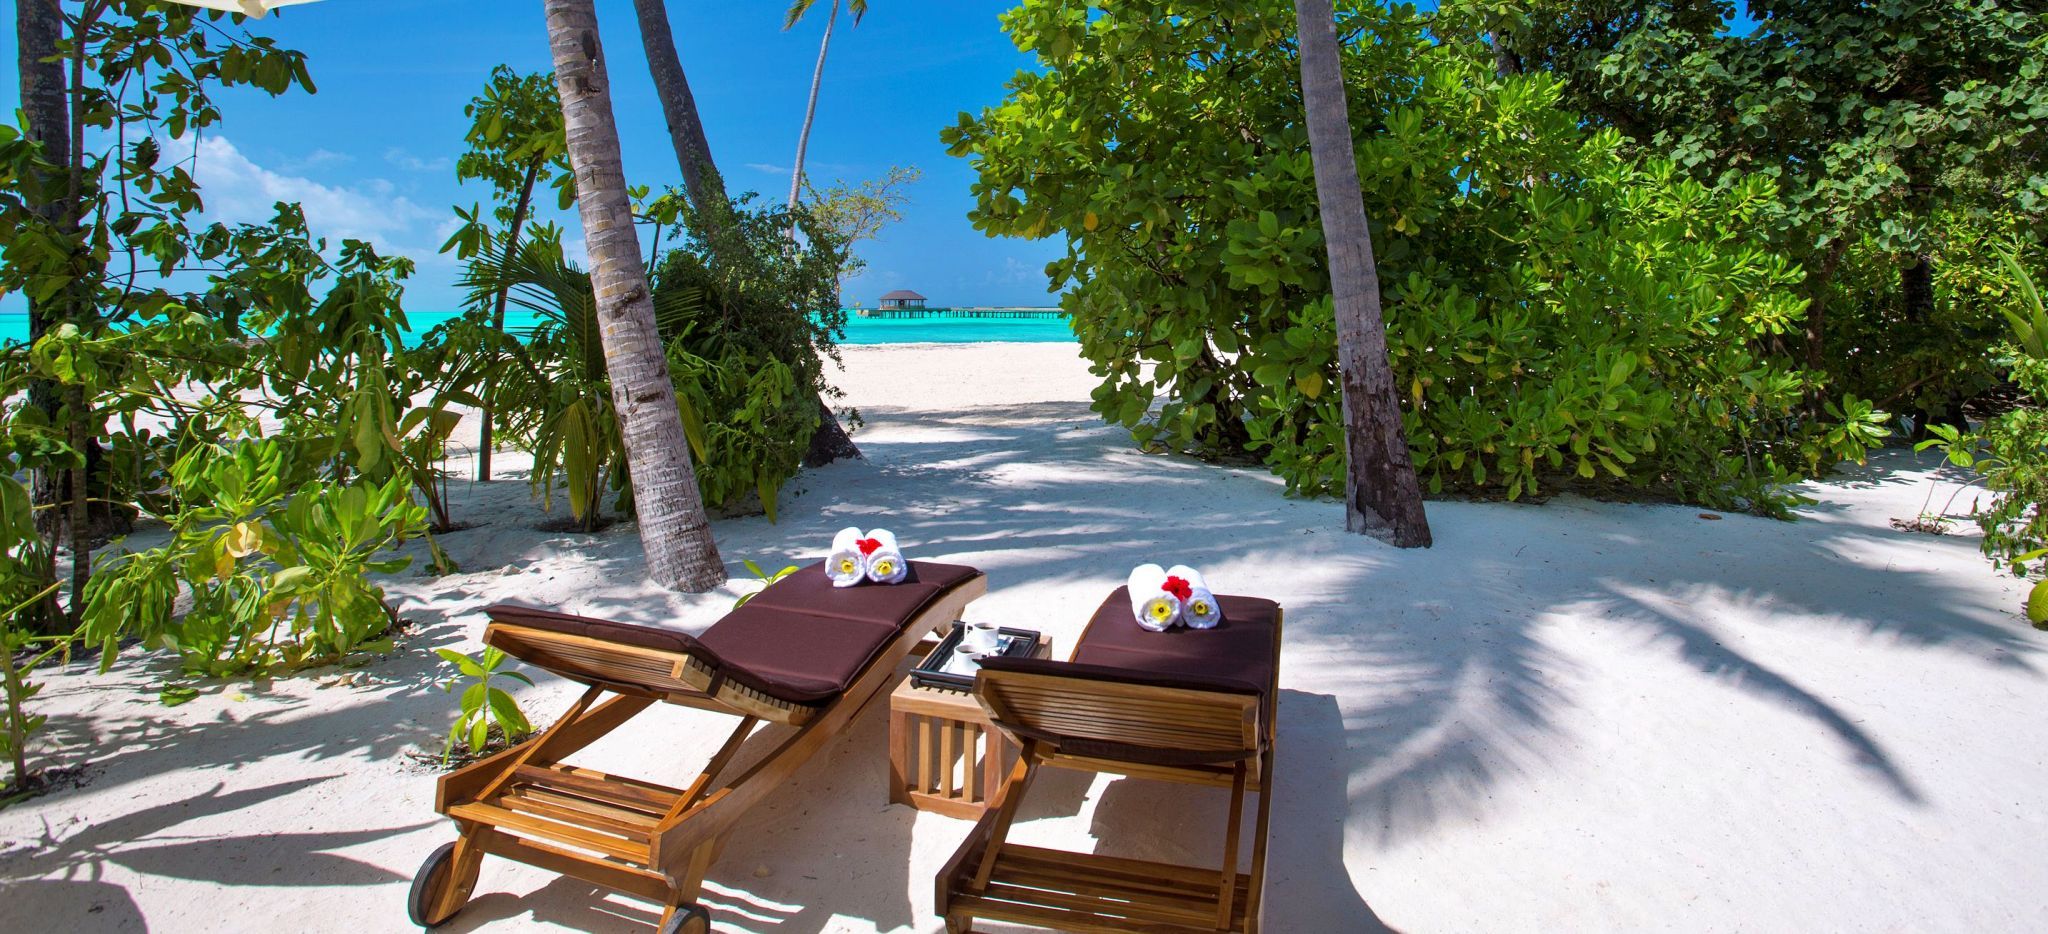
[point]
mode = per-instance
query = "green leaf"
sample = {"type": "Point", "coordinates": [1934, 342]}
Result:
{"type": "Point", "coordinates": [463, 663]}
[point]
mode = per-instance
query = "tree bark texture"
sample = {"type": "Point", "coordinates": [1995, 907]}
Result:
{"type": "Point", "coordinates": [679, 108]}
{"type": "Point", "coordinates": [1382, 497]}
{"type": "Point", "coordinates": [38, 26]}
{"type": "Point", "coordinates": [1916, 287]}
{"type": "Point", "coordinates": [673, 525]}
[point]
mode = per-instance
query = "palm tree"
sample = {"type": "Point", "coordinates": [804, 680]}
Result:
{"type": "Point", "coordinates": [679, 108]}
{"type": "Point", "coordinates": [700, 177]}
{"type": "Point", "coordinates": [673, 526]}
{"type": "Point", "coordinates": [45, 105]}
{"type": "Point", "coordinates": [797, 9]}
{"type": "Point", "coordinates": [1382, 497]}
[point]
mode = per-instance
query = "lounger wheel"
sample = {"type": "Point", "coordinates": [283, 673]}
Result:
{"type": "Point", "coordinates": [435, 875]}
{"type": "Point", "coordinates": [687, 919]}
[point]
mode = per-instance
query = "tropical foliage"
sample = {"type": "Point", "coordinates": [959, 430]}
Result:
{"type": "Point", "coordinates": [483, 705]}
{"type": "Point", "coordinates": [745, 318]}
{"type": "Point", "coordinates": [1904, 138]}
{"type": "Point", "coordinates": [2014, 459]}
{"type": "Point", "coordinates": [1558, 311]}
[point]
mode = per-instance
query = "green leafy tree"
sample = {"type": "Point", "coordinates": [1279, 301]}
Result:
{"type": "Point", "coordinates": [1895, 133]}
{"type": "Point", "coordinates": [1557, 312]}
{"type": "Point", "coordinates": [96, 219]}
{"type": "Point", "coordinates": [742, 327]}
{"type": "Point", "coordinates": [2014, 460]}
{"type": "Point", "coordinates": [855, 212]}
{"type": "Point", "coordinates": [516, 145]}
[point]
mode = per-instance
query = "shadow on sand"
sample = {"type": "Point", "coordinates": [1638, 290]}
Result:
{"type": "Point", "coordinates": [1458, 691]}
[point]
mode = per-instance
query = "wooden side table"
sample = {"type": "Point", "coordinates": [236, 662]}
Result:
{"type": "Point", "coordinates": [943, 756]}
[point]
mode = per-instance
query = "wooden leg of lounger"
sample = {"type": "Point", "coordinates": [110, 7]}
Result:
{"type": "Point", "coordinates": [1228, 892]}
{"type": "Point", "coordinates": [1256, 892]}
{"type": "Point", "coordinates": [1006, 811]}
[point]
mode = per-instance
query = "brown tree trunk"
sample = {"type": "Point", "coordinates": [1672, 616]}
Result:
{"type": "Point", "coordinates": [484, 440]}
{"type": "Point", "coordinates": [38, 26]}
{"type": "Point", "coordinates": [1382, 497]}
{"type": "Point", "coordinates": [1916, 287]}
{"type": "Point", "coordinates": [1505, 61]}
{"type": "Point", "coordinates": [673, 525]}
{"type": "Point", "coordinates": [679, 108]}
{"type": "Point", "coordinates": [1817, 306]}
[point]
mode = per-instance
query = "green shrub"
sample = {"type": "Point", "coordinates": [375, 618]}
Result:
{"type": "Point", "coordinates": [2014, 461]}
{"type": "Point", "coordinates": [275, 575]}
{"type": "Point", "coordinates": [747, 319]}
{"type": "Point", "coordinates": [1557, 313]}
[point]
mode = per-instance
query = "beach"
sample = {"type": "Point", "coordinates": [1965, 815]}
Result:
{"type": "Point", "coordinates": [1573, 715]}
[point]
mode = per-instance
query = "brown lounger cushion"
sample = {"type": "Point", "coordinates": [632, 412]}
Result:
{"type": "Point", "coordinates": [795, 641]}
{"type": "Point", "coordinates": [810, 591]}
{"type": "Point", "coordinates": [1236, 656]}
{"type": "Point", "coordinates": [798, 657]}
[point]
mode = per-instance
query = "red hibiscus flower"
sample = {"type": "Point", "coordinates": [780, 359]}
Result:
{"type": "Point", "coordinates": [868, 545]}
{"type": "Point", "coordinates": [1179, 588]}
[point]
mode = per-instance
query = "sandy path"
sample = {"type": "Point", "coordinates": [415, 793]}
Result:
{"type": "Point", "coordinates": [1576, 716]}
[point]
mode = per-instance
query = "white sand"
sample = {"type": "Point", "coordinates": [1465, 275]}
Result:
{"type": "Point", "coordinates": [1574, 716]}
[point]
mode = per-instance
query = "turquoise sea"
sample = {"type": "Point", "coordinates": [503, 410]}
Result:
{"type": "Point", "coordinates": [954, 327]}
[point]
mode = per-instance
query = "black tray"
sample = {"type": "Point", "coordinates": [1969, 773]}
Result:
{"type": "Point", "coordinates": [1017, 643]}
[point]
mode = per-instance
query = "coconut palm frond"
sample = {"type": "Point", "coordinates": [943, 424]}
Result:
{"type": "Point", "coordinates": [797, 9]}
{"type": "Point", "coordinates": [675, 308]}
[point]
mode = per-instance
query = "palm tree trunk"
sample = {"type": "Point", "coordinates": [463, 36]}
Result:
{"type": "Point", "coordinates": [679, 108]}
{"type": "Point", "coordinates": [673, 526]}
{"type": "Point", "coordinates": [484, 442]}
{"type": "Point", "coordinates": [1381, 495]}
{"type": "Point", "coordinates": [803, 137]}
{"type": "Point", "coordinates": [38, 26]}
{"type": "Point", "coordinates": [829, 440]}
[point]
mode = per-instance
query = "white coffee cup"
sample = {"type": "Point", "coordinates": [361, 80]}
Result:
{"type": "Point", "coordinates": [982, 638]}
{"type": "Point", "coordinates": [965, 659]}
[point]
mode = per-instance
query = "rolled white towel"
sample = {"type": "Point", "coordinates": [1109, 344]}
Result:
{"type": "Point", "coordinates": [885, 564]}
{"type": "Point", "coordinates": [1156, 608]}
{"type": "Point", "coordinates": [846, 565]}
{"type": "Point", "coordinates": [1199, 610]}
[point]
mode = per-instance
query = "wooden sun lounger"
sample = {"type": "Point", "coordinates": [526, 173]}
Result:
{"type": "Point", "coordinates": [1185, 706]}
{"type": "Point", "coordinates": [800, 653]}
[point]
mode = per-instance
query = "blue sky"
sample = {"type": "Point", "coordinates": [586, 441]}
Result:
{"type": "Point", "coordinates": [372, 154]}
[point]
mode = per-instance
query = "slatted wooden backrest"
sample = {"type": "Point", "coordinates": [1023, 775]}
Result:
{"type": "Point", "coordinates": [1092, 716]}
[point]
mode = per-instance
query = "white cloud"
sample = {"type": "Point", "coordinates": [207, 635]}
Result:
{"type": "Point", "coordinates": [412, 163]}
{"type": "Point", "coordinates": [769, 168]}
{"type": "Point", "coordinates": [237, 190]}
{"type": "Point", "coordinates": [314, 160]}
{"type": "Point", "coordinates": [1016, 272]}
